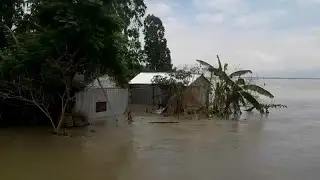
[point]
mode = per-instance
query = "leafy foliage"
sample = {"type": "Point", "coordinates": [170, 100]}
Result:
{"type": "Point", "coordinates": [131, 12]}
{"type": "Point", "coordinates": [268, 106]}
{"type": "Point", "coordinates": [258, 89]}
{"type": "Point", "coordinates": [173, 80]}
{"type": "Point", "coordinates": [156, 50]}
{"type": "Point", "coordinates": [232, 91]}
{"type": "Point", "coordinates": [240, 73]}
{"type": "Point", "coordinates": [173, 86]}
{"type": "Point", "coordinates": [10, 11]}
{"type": "Point", "coordinates": [58, 39]}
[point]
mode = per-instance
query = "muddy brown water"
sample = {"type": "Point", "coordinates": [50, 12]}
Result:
{"type": "Point", "coordinates": [283, 146]}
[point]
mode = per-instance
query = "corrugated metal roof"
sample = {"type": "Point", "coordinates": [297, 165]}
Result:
{"type": "Point", "coordinates": [146, 77]}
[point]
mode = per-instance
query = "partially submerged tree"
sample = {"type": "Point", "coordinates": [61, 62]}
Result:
{"type": "Point", "coordinates": [268, 106]}
{"type": "Point", "coordinates": [231, 92]}
{"type": "Point", "coordinates": [174, 84]}
{"type": "Point", "coordinates": [183, 94]}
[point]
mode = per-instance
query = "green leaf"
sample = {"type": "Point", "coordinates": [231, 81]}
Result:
{"type": "Point", "coordinates": [242, 100]}
{"type": "Point", "coordinates": [258, 89]}
{"type": "Point", "coordinates": [240, 73]}
{"type": "Point", "coordinates": [274, 106]}
{"type": "Point", "coordinates": [225, 67]}
{"type": "Point", "coordinates": [250, 109]}
{"type": "Point", "coordinates": [219, 62]}
{"type": "Point", "coordinates": [252, 100]}
{"type": "Point", "coordinates": [203, 63]}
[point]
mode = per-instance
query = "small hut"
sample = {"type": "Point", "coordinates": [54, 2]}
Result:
{"type": "Point", "coordinates": [94, 103]}
{"type": "Point", "coordinates": [143, 93]}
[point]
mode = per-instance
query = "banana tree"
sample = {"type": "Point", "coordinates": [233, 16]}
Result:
{"type": "Point", "coordinates": [232, 91]}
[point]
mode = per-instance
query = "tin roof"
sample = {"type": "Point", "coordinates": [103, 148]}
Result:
{"type": "Point", "coordinates": [146, 77]}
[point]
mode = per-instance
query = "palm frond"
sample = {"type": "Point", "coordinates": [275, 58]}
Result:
{"type": "Point", "coordinates": [11, 33]}
{"type": "Point", "coordinates": [240, 73]}
{"type": "Point", "coordinates": [242, 101]}
{"type": "Point", "coordinates": [203, 63]}
{"type": "Point", "coordinates": [250, 109]}
{"type": "Point", "coordinates": [274, 106]}
{"type": "Point", "coordinates": [252, 100]}
{"type": "Point", "coordinates": [219, 62]}
{"type": "Point", "coordinates": [222, 75]}
{"type": "Point", "coordinates": [258, 89]}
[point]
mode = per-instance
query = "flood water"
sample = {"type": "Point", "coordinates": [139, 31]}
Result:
{"type": "Point", "coordinates": [283, 146]}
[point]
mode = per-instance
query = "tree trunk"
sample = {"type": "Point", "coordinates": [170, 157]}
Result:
{"type": "Point", "coordinates": [209, 91]}
{"type": "Point", "coordinates": [63, 110]}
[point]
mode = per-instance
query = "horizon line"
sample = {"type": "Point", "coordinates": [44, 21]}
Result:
{"type": "Point", "coordinates": [275, 77]}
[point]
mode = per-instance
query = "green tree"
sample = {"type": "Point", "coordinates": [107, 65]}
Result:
{"type": "Point", "coordinates": [158, 56]}
{"type": "Point", "coordinates": [57, 40]}
{"type": "Point", "coordinates": [131, 12]}
{"type": "Point", "coordinates": [10, 12]}
{"type": "Point", "coordinates": [232, 91]}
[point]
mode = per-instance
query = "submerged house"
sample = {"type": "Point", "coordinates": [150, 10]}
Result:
{"type": "Point", "coordinates": [143, 93]}
{"type": "Point", "coordinates": [94, 103]}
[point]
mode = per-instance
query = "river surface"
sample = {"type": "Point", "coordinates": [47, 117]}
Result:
{"type": "Point", "coordinates": [283, 146]}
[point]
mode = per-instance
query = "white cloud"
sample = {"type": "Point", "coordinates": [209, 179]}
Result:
{"type": "Point", "coordinates": [256, 47]}
{"type": "Point", "coordinates": [259, 19]}
{"type": "Point", "coordinates": [158, 8]}
{"type": "Point", "coordinates": [210, 18]}
{"type": "Point", "coordinates": [222, 5]}
{"type": "Point", "coordinates": [255, 50]}
{"type": "Point", "coordinates": [308, 1]}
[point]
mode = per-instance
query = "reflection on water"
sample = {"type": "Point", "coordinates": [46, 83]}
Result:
{"type": "Point", "coordinates": [282, 146]}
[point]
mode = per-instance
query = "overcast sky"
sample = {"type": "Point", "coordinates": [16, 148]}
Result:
{"type": "Point", "coordinates": [271, 37]}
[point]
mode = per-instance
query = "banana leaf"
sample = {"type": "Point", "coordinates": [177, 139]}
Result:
{"type": "Point", "coordinates": [258, 89]}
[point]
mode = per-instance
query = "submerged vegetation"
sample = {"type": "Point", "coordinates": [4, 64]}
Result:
{"type": "Point", "coordinates": [173, 87]}
{"type": "Point", "coordinates": [231, 92]}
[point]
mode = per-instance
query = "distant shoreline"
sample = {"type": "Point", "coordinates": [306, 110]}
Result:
{"type": "Point", "coordinates": [293, 78]}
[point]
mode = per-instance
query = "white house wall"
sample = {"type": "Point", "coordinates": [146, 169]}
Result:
{"type": "Point", "coordinates": [116, 105]}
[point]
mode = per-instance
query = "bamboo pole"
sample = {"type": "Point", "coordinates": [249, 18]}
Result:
{"type": "Point", "coordinates": [106, 96]}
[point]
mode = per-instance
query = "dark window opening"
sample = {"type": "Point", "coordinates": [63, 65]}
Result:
{"type": "Point", "coordinates": [101, 106]}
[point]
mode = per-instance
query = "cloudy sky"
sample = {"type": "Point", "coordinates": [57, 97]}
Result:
{"type": "Point", "coordinates": [271, 37]}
